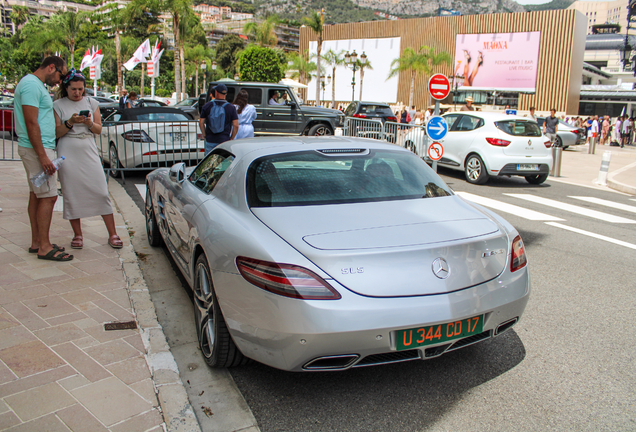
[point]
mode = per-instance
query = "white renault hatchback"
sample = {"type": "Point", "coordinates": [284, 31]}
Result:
{"type": "Point", "coordinates": [484, 144]}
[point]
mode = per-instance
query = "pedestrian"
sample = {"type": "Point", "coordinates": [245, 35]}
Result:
{"type": "Point", "coordinates": [404, 116]}
{"type": "Point", "coordinates": [618, 127]}
{"type": "Point", "coordinates": [123, 98]}
{"type": "Point", "coordinates": [469, 104]}
{"type": "Point", "coordinates": [412, 114]}
{"type": "Point", "coordinates": [594, 130]}
{"type": "Point", "coordinates": [551, 126]}
{"type": "Point", "coordinates": [427, 115]}
{"type": "Point", "coordinates": [605, 130]}
{"type": "Point", "coordinates": [532, 114]}
{"type": "Point", "coordinates": [35, 127]}
{"type": "Point", "coordinates": [219, 119]}
{"type": "Point", "coordinates": [83, 183]}
{"type": "Point", "coordinates": [588, 129]}
{"type": "Point", "coordinates": [627, 130]}
{"type": "Point", "coordinates": [246, 115]}
{"type": "Point", "coordinates": [131, 100]}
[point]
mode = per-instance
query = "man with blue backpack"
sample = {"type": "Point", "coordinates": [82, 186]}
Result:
{"type": "Point", "coordinates": [219, 119]}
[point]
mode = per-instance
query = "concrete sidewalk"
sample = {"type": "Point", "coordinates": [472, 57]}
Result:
{"type": "Point", "coordinates": [60, 369]}
{"type": "Point", "coordinates": [580, 168]}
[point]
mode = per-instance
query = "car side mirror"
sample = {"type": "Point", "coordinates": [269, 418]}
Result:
{"type": "Point", "coordinates": [177, 172]}
{"type": "Point", "coordinates": [291, 104]}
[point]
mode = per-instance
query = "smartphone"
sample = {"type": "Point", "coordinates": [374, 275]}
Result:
{"type": "Point", "coordinates": [84, 113]}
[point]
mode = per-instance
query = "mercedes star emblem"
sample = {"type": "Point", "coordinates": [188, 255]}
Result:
{"type": "Point", "coordinates": [440, 268]}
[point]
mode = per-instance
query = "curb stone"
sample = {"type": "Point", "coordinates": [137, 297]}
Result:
{"type": "Point", "coordinates": [177, 411]}
{"type": "Point", "coordinates": [622, 187]}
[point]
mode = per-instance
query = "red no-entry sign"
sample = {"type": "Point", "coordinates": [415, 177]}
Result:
{"type": "Point", "coordinates": [439, 87]}
{"type": "Point", "coordinates": [435, 151]}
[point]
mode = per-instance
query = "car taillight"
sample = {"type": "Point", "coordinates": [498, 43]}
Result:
{"type": "Point", "coordinates": [137, 136]}
{"type": "Point", "coordinates": [498, 142]}
{"type": "Point", "coordinates": [547, 144]}
{"type": "Point", "coordinates": [360, 116]}
{"type": "Point", "coordinates": [518, 259]}
{"type": "Point", "coordinates": [575, 131]}
{"type": "Point", "coordinates": [285, 279]}
{"type": "Point", "coordinates": [393, 119]}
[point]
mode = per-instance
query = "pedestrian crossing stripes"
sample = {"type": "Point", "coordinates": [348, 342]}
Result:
{"type": "Point", "coordinates": [607, 203]}
{"type": "Point", "coordinates": [142, 190]}
{"type": "Point", "coordinates": [508, 208]}
{"type": "Point", "coordinates": [591, 234]}
{"type": "Point", "coordinates": [573, 209]}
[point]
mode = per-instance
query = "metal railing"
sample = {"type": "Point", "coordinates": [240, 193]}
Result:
{"type": "Point", "coordinates": [143, 145]}
{"type": "Point", "coordinates": [412, 137]}
{"type": "Point", "coordinates": [7, 135]}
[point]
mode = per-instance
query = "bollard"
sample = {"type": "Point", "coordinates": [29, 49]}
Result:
{"type": "Point", "coordinates": [556, 161]}
{"type": "Point", "coordinates": [592, 148]}
{"type": "Point", "coordinates": [602, 174]}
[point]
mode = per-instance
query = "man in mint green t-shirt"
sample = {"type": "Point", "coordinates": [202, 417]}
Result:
{"type": "Point", "coordinates": [35, 126]}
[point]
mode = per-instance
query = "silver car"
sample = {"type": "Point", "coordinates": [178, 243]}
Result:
{"type": "Point", "coordinates": [567, 135]}
{"type": "Point", "coordinates": [311, 254]}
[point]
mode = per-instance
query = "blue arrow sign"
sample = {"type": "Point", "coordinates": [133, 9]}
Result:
{"type": "Point", "coordinates": [437, 128]}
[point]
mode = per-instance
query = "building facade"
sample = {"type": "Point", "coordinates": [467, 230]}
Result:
{"type": "Point", "coordinates": [604, 12]}
{"type": "Point", "coordinates": [561, 49]}
{"type": "Point", "coordinates": [44, 8]}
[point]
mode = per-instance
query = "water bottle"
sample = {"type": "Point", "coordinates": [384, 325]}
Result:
{"type": "Point", "coordinates": [41, 177]}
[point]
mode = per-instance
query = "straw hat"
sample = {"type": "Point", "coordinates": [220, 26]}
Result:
{"type": "Point", "coordinates": [469, 99]}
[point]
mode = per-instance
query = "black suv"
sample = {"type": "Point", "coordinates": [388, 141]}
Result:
{"type": "Point", "coordinates": [288, 118]}
{"type": "Point", "coordinates": [371, 110]}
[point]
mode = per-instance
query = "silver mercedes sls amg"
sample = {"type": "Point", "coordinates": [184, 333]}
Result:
{"type": "Point", "coordinates": [314, 254]}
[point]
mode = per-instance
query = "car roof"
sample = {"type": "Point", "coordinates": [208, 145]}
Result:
{"type": "Point", "coordinates": [133, 113]}
{"type": "Point", "coordinates": [253, 148]}
{"type": "Point", "coordinates": [491, 116]}
{"type": "Point", "coordinates": [249, 83]}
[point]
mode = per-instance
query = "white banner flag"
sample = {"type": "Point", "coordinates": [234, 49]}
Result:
{"type": "Point", "coordinates": [139, 56]}
{"type": "Point", "coordinates": [86, 61]}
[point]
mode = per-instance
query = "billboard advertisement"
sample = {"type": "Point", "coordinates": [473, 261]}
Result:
{"type": "Point", "coordinates": [497, 61]}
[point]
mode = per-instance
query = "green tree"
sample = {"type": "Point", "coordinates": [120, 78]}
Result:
{"type": "Point", "coordinates": [417, 62]}
{"type": "Point", "coordinates": [227, 51]}
{"type": "Point", "coordinates": [335, 59]}
{"type": "Point", "coordinates": [19, 15]}
{"type": "Point", "coordinates": [195, 56]}
{"type": "Point", "coordinates": [260, 64]}
{"type": "Point", "coordinates": [264, 33]}
{"type": "Point", "coordinates": [70, 24]}
{"type": "Point", "coordinates": [302, 68]}
{"type": "Point", "coordinates": [315, 21]}
{"type": "Point", "coordinates": [114, 19]}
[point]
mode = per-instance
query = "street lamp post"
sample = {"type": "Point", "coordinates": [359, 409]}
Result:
{"type": "Point", "coordinates": [322, 83]}
{"type": "Point", "coordinates": [351, 61]}
{"type": "Point", "coordinates": [203, 67]}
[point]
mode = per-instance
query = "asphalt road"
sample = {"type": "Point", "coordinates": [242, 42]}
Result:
{"type": "Point", "coordinates": [567, 365]}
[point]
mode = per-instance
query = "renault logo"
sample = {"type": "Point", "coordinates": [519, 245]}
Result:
{"type": "Point", "coordinates": [440, 268]}
{"type": "Point", "coordinates": [529, 142]}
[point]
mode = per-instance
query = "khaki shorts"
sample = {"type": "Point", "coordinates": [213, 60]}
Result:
{"type": "Point", "coordinates": [32, 166]}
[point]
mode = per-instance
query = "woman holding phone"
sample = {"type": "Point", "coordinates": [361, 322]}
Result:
{"type": "Point", "coordinates": [84, 189]}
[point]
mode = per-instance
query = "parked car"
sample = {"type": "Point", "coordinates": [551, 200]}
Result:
{"type": "Point", "coordinates": [145, 137]}
{"type": "Point", "coordinates": [296, 259]}
{"type": "Point", "coordinates": [484, 144]}
{"type": "Point", "coordinates": [6, 116]}
{"type": "Point", "coordinates": [371, 110]}
{"type": "Point", "coordinates": [380, 112]}
{"type": "Point", "coordinates": [567, 135]}
{"type": "Point", "coordinates": [290, 118]}
{"type": "Point", "coordinates": [189, 105]}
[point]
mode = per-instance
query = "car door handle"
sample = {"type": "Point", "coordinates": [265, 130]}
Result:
{"type": "Point", "coordinates": [269, 114]}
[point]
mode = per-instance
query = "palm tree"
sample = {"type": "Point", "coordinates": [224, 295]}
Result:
{"type": "Point", "coordinates": [334, 59]}
{"type": "Point", "coordinates": [264, 33]}
{"type": "Point", "coordinates": [410, 61]}
{"type": "Point", "coordinates": [315, 21]}
{"type": "Point", "coordinates": [432, 60]}
{"type": "Point", "coordinates": [301, 66]}
{"type": "Point", "coordinates": [114, 18]}
{"type": "Point", "coordinates": [363, 64]}
{"type": "Point", "coordinates": [178, 9]}
{"type": "Point", "coordinates": [195, 56]}
{"type": "Point", "coordinates": [70, 25]}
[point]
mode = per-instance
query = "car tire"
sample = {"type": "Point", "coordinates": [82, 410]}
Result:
{"type": "Point", "coordinates": [320, 130]}
{"type": "Point", "coordinates": [475, 170]}
{"type": "Point", "coordinates": [152, 229]}
{"type": "Point", "coordinates": [536, 179]}
{"type": "Point", "coordinates": [215, 341]}
{"type": "Point", "coordinates": [565, 147]}
{"type": "Point", "coordinates": [113, 161]}
{"type": "Point", "coordinates": [558, 142]}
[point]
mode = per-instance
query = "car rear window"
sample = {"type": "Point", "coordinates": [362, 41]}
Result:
{"type": "Point", "coordinates": [519, 128]}
{"type": "Point", "coordinates": [376, 109]}
{"type": "Point", "coordinates": [316, 178]}
{"type": "Point", "coordinates": [160, 117]}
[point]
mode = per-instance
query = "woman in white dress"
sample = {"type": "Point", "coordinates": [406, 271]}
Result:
{"type": "Point", "coordinates": [246, 114]}
{"type": "Point", "coordinates": [83, 182]}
